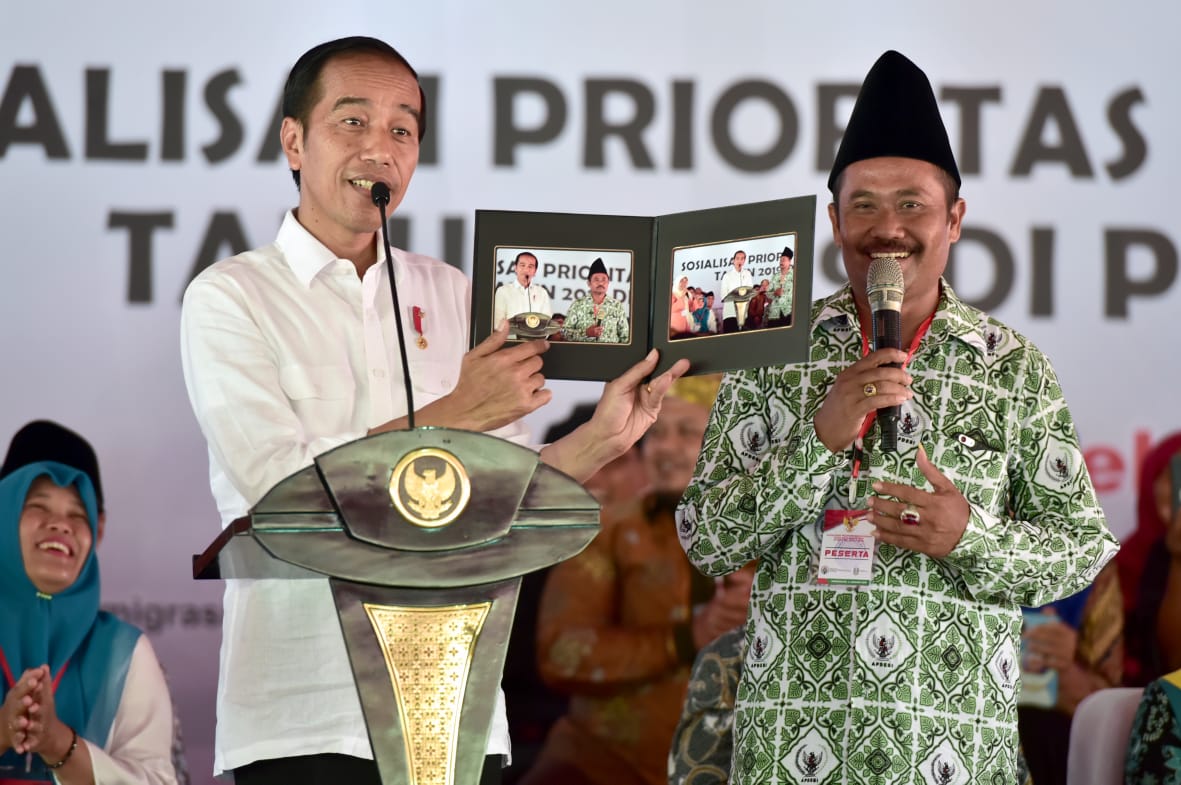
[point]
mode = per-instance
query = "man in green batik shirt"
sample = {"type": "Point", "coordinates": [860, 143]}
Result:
{"type": "Point", "coordinates": [782, 291]}
{"type": "Point", "coordinates": [986, 505]}
{"type": "Point", "coordinates": [597, 317]}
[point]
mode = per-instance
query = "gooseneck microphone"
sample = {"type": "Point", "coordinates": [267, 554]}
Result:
{"type": "Point", "coordinates": [884, 288]}
{"type": "Point", "coordinates": [380, 193]}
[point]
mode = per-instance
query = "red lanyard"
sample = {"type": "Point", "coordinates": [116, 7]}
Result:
{"type": "Point", "coordinates": [869, 418]}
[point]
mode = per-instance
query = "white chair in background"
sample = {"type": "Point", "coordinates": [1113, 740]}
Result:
{"type": "Point", "coordinates": [1099, 736]}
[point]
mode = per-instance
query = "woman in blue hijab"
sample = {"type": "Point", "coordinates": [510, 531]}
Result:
{"type": "Point", "coordinates": [83, 697]}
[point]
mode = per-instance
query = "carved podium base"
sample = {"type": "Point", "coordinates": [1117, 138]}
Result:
{"type": "Point", "coordinates": [429, 700]}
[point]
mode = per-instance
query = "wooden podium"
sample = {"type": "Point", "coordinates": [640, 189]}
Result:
{"type": "Point", "coordinates": [423, 536]}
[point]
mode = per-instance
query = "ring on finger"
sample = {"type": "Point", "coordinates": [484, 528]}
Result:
{"type": "Point", "coordinates": [909, 515]}
{"type": "Point", "coordinates": [870, 390]}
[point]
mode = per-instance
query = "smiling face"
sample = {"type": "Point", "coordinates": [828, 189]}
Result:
{"type": "Point", "coordinates": [896, 207]}
{"type": "Point", "coordinates": [671, 445]}
{"type": "Point", "coordinates": [598, 286]}
{"type": "Point", "coordinates": [363, 129]}
{"type": "Point", "coordinates": [55, 535]}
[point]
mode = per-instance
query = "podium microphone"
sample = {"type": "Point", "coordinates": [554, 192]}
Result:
{"type": "Point", "coordinates": [884, 287]}
{"type": "Point", "coordinates": [380, 193]}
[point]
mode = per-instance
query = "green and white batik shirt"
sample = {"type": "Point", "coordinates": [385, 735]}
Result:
{"type": "Point", "coordinates": [912, 678]}
{"type": "Point", "coordinates": [781, 305]}
{"type": "Point", "coordinates": [611, 314]}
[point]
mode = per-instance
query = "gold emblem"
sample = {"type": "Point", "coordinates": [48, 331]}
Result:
{"type": "Point", "coordinates": [421, 342]}
{"type": "Point", "coordinates": [430, 487]}
{"type": "Point", "coordinates": [531, 321]}
{"type": "Point", "coordinates": [742, 291]}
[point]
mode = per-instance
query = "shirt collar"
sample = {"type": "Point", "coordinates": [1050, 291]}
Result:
{"type": "Point", "coordinates": [953, 317]}
{"type": "Point", "coordinates": [307, 256]}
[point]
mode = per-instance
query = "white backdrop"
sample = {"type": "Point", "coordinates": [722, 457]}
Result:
{"type": "Point", "coordinates": [136, 142]}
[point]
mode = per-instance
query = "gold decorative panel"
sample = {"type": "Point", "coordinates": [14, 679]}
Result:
{"type": "Point", "coordinates": [428, 652]}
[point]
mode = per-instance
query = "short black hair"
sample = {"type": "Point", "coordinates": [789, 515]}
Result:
{"type": "Point", "coordinates": [302, 89]}
{"type": "Point", "coordinates": [517, 260]}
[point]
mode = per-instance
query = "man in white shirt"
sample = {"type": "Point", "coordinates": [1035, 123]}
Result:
{"type": "Point", "coordinates": [290, 350]}
{"type": "Point", "coordinates": [734, 278]}
{"type": "Point", "coordinates": [521, 295]}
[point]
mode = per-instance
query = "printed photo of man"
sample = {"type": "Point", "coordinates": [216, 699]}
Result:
{"type": "Point", "coordinates": [597, 317]}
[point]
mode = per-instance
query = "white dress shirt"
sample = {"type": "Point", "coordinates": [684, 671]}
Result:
{"type": "Point", "coordinates": [512, 298]}
{"type": "Point", "coordinates": [287, 354]}
{"type": "Point", "coordinates": [731, 281]}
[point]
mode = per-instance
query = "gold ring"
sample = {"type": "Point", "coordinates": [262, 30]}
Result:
{"type": "Point", "coordinates": [909, 515]}
{"type": "Point", "coordinates": [648, 387]}
{"type": "Point", "coordinates": [870, 390]}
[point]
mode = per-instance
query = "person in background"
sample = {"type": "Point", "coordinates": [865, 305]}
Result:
{"type": "Point", "coordinates": [621, 622]}
{"type": "Point", "coordinates": [531, 705]}
{"type": "Point", "coordinates": [1154, 745]}
{"type": "Point", "coordinates": [1071, 648]}
{"type": "Point", "coordinates": [84, 700]}
{"type": "Point", "coordinates": [712, 320]}
{"type": "Point", "coordinates": [701, 313]}
{"type": "Point", "coordinates": [757, 308]}
{"type": "Point", "coordinates": [703, 743]}
{"type": "Point", "coordinates": [678, 314]}
{"type": "Point", "coordinates": [1150, 571]}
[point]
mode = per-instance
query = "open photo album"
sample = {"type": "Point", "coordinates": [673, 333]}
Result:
{"type": "Point", "coordinates": [727, 288]}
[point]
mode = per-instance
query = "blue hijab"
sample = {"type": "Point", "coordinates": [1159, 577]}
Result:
{"type": "Point", "coordinates": [88, 651]}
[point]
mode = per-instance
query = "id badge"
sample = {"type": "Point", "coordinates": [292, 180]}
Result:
{"type": "Point", "coordinates": [846, 548]}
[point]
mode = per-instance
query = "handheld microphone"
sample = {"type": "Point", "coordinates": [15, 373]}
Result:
{"type": "Point", "coordinates": [884, 287]}
{"type": "Point", "coordinates": [380, 193]}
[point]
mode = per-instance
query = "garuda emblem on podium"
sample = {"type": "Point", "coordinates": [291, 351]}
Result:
{"type": "Point", "coordinates": [430, 487]}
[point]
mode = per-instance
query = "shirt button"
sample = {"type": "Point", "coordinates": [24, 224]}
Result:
{"type": "Point", "coordinates": [379, 373]}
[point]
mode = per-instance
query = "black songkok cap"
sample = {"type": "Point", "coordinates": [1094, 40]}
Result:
{"type": "Point", "coordinates": [44, 440]}
{"type": "Point", "coordinates": [597, 266]}
{"type": "Point", "coordinates": [895, 115]}
{"type": "Point", "coordinates": [788, 252]}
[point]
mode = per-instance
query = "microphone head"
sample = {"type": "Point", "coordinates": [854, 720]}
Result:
{"type": "Point", "coordinates": [380, 193]}
{"type": "Point", "coordinates": [884, 285]}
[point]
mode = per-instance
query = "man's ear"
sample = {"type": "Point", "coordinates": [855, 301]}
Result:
{"type": "Point", "coordinates": [835, 219]}
{"type": "Point", "coordinates": [291, 138]}
{"type": "Point", "coordinates": [956, 219]}
{"type": "Point", "coordinates": [101, 528]}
